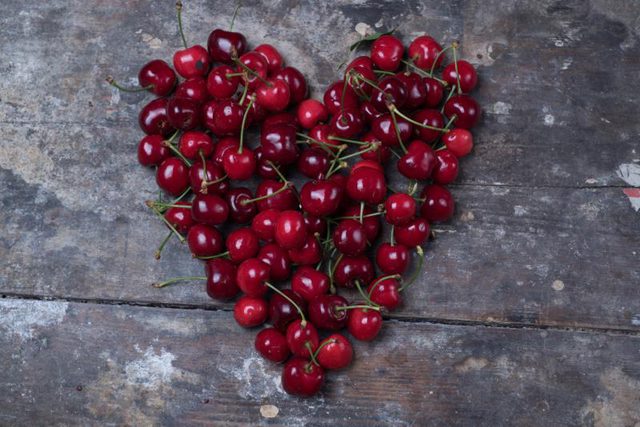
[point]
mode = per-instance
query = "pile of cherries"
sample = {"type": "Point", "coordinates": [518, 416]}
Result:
{"type": "Point", "coordinates": [394, 109]}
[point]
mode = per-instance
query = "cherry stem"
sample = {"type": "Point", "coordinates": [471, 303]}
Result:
{"type": "Point", "coordinates": [311, 353]}
{"type": "Point", "coordinates": [285, 185]}
{"type": "Point", "coordinates": [162, 245]}
{"type": "Point", "coordinates": [412, 187]}
{"type": "Point", "coordinates": [178, 279]}
{"type": "Point", "coordinates": [424, 73]}
{"type": "Point", "coordinates": [250, 71]}
{"type": "Point", "coordinates": [364, 295]}
{"type": "Point", "coordinates": [454, 47]}
{"type": "Point", "coordinates": [380, 279]}
{"type": "Point", "coordinates": [333, 270]}
{"type": "Point", "coordinates": [351, 307]}
{"type": "Point", "coordinates": [171, 227]}
{"type": "Point", "coordinates": [395, 126]}
{"type": "Point", "coordinates": [336, 166]}
{"type": "Point", "coordinates": [395, 154]}
{"type": "Point", "coordinates": [165, 206]}
{"type": "Point", "coordinates": [220, 255]}
{"type": "Point", "coordinates": [233, 18]}
{"type": "Point", "coordinates": [177, 152]}
{"type": "Point", "coordinates": [115, 84]}
{"type": "Point", "coordinates": [179, 13]}
{"type": "Point", "coordinates": [395, 110]}
{"type": "Point", "coordinates": [323, 344]}
{"type": "Point", "coordinates": [244, 122]}
{"type": "Point", "coordinates": [392, 236]}
{"type": "Point", "coordinates": [245, 91]}
{"type": "Point", "coordinates": [277, 170]}
{"type": "Point", "coordinates": [361, 212]}
{"type": "Point", "coordinates": [230, 75]}
{"type": "Point", "coordinates": [362, 216]}
{"type": "Point", "coordinates": [435, 61]}
{"type": "Point", "coordinates": [350, 141]}
{"type": "Point", "coordinates": [328, 148]}
{"type": "Point", "coordinates": [359, 76]}
{"type": "Point", "coordinates": [206, 184]}
{"type": "Point", "coordinates": [453, 88]}
{"type": "Point", "coordinates": [385, 73]}
{"type": "Point", "coordinates": [293, 303]}
{"type": "Point", "coordinates": [373, 147]}
{"type": "Point", "coordinates": [416, 273]}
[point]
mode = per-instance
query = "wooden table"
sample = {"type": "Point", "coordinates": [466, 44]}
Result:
{"type": "Point", "coordinates": [528, 311]}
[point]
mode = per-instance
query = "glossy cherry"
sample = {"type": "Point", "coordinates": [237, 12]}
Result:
{"type": "Point", "coordinates": [205, 240]}
{"type": "Point", "coordinates": [300, 336]}
{"type": "Point", "coordinates": [458, 141]}
{"type": "Point", "coordinates": [283, 200]}
{"type": "Point", "coordinates": [311, 112]}
{"type": "Point", "coordinates": [347, 123]}
{"type": "Point", "coordinates": [272, 345]}
{"type": "Point", "coordinates": [416, 90]}
{"type": "Point", "coordinates": [159, 75]}
{"type": "Point", "coordinates": [264, 167]}
{"type": "Point", "coordinates": [194, 89]}
{"type": "Point", "coordinates": [392, 259]}
{"type": "Point", "coordinates": [222, 83]}
{"type": "Point", "coordinates": [366, 185]}
{"type": "Point", "coordinates": [183, 113]}
{"type": "Point", "coordinates": [153, 118]}
{"type": "Point", "coordinates": [438, 203]}
{"type": "Point", "coordinates": [415, 233]}
{"type": "Point", "coordinates": [301, 377]}
{"type": "Point", "coordinates": [296, 82]}
{"type": "Point", "coordinates": [349, 237]}
{"type": "Point", "coordinates": [335, 352]}
{"type": "Point", "coordinates": [214, 182]}
{"type": "Point", "coordinates": [271, 55]}
{"type": "Point", "coordinates": [192, 143]}
{"type": "Point", "coordinates": [424, 51]}
{"type": "Point", "coordinates": [242, 243]}
{"type": "Point", "coordinates": [315, 225]}
{"type": "Point", "coordinates": [385, 292]}
{"type": "Point", "coordinates": [191, 62]}
{"type": "Point", "coordinates": [386, 52]}
{"type": "Point", "coordinates": [152, 150]}
{"type": "Point", "coordinates": [309, 253]}
{"type": "Point", "coordinates": [400, 208]}
{"type": "Point", "coordinates": [419, 161]}
{"type": "Point", "coordinates": [173, 176]}
{"type": "Point", "coordinates": [224, 45]}
{"type": "Point", "coordinates": [250, 311]}
{"type": "Point", "coordinates": [351, 269]}
{"type": "Point", "coordinates": [290, 231]}
{"type": "Point", "coordinates": [309, 282]}
{"type": "Point", "coordinates": [239, 164]}
{"type": "Point", "coordinates": [466, 110]}
{"type": "Point", "coordinates": [221, 279]}
{"type": "Point", "coordinates": [278, 260]}
{"type": "Point", "coordinates": [428, 117]}
{"type": "Point", "coordinates": [313, 163]}
{"type": "Point", "coordinates": [282, 312]}
{"type": "Point", "coordinates": [227, 118]}
{"type": "Point", "coordinates": [390, 90]}
{"type": "Point", "coordinates": [334, 99]}
{"type": "Point", "coordinates": [369, 112]}
{"type": "Point", "coordinates": [180, 216]}
{"type": "Point", "coordinates": [323, 313]}
{"type": "Point", "coordinates": [384, 129]}
{"type": "Point", "coordinates": [320, 197]}
{"type": "Point", "coordinates": [264, 224]}
{"type": "Point", "coordinates": [273, 94]}
{"type": "Point", "coordinates": [467, 73]}
{"type": "Point", "coordinates": [371, 223]}
{"type": "Point", "coordinates": [279, 144]}
{"type": "Point", "coordinates": [446, 170]}
{"type": "Point", "coordinates": [434, 92]}
{"type": "Point", "coordinates": [251, 277]}
{"type": "Point", "coordinates": [239, 211]}
{"type": "Point", "coordinates": [209, 209]}
{"type": "Point", "coordinates": [364, 324]}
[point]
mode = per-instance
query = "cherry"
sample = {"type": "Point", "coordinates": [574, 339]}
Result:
{"type": "Point", "coordinates": [366, 185]}
{"type": "Point", "coordinates": [285, 199]}
{"type": "Point", "coordinates": [239, 164]}
{"type": "Point", "coordinates": [438, 203]}
{"type": "Point", "coordinates": [272, 345]}
{"type": "Point", "coordinates": [159, 76]}
{"type": "Point", "coordinates": [279, 144]}
{"type": "Point", "coordinates": [416, 90]}
{"type": "Point", "coordinates": [194, 89]}
{"type": "Point", "coordinates": [361, 61]}
{"type": "Point", "coordinates": [419, 161]}
{"type": "Point", "coordinates": [264, 167]}
{"type": "Point", "coordinates": [390, 90]}
{"type": "Point", "coordinates": [273, 95]}
{"type": "Point", "coordinates": [434, 92]}
{"type": "Point", "coordinates": [458, 141]}
{"type": "Point", "coordinates": [183, 113]}
{"type": "Point", "coordinates": [296, 82]}
{"type": "Point", "coordinates": [221, 279]}
{"type": "Point", "coordinates": [179, 216]}
{"type": "Point", "coordinates": [365, 164]}
{"type": "Point", "coordinates": [191, 62]}
{"type": "Point", "coordinates": [311, 112]}
{"type": "Point", "coordinates": [242, 243]}
{"type": "Point", "coordinates": [222, 83]}
{"type": "Point", "coordinates": [224, 45]}
{"type": "Point", "coordinates": [153, 118]}
{"type": "Point", "coordinates": [301, 377]}
{"type": "Point", "coordinates": [285, 118]}
{"type": "Point", "coordinates": [428, 117]}
{"type": "Point", "coordinates": [315, 225]}
{"type": "Point", "coordinates": [251, 277]}
{"type": "Point", "coordinates": [351, 269]}
{"type": "Point", "coordinates": [192, 143]}
{"type": "Point", "coordinates": [384, 129]}
{"type": "Point", "coordinates": [209, 209]}
{"type": "Point", "coordinates": [264, 224]}
{"type": "Point", "coordinates": [240, 212]}
{"type": "Point", "coordinates": [173, 176]}
{"type": "Point", "coordinates": [309, 253]}
{"type": "Point", "coordinates": [250, 311]}
{"type": "Point", "coordinates": [320, 197]}
{"type": "Point", "coordinates": [368, 112]}
{"type": "Point", "coordinates": [400, 208]}
{"type": "Point", "coordinates": [227, 117]}
{"type": "Point", "coordinates": [380, 155]}
{"type": "Point", "coordinates": [258, 67]}
{"type": "Point", "coordinates": [271, 55]}
{"type": "Point", "coordinates": [323, 134]}
{"type": "Point", "coordinates": [386, 52]}
{"type": "Point", "coordinates": [290, 231]}
{"type": "Point", "coordinates": [214, 173]}
{"type": "Point", "coordinates": [282, 312]}
{"type": "Point", "coordinates": [152, 151]}
{"type": "Point", "coordinates": [446, 170]}
{"type": "Point", "coordinates": [208, 115]}
{"type": "Point", "coordinates": [465, 109]}
{"type": "Point", "coordinates": [225, 144]}
{"type": "Point", "coordinates": [347, 123]}
{"type": "Point", "coordinates": [359, 79]}
{"type": "Point", "coordinates": [364, 324]}
{"type": "Point", "coordinates": [334, 99]}
{"type": "Point", "coordinates": [371, 224]}
{"type": "Point", "coordinates": [302, 338]}
{"type": "Point", "coordinates": [313, 163]}
{"type": "Point", "coordinates": [335, 352]}
{"type": "Point", "coordinates": [413, 234]}
{"type": "Point", "coordinates": [309, 282]}
{"type": "Point", "coordinates": [278, 259]}
{"type": "Point", "coordinates": [323, 313]}
{"type": "Point", "coordinates": [385, 291]}
{"type": "Point", "coordinates": [467, 73]}
{"type": "Point", "coordinates": [204, 240]}
{"type": "Point", "coordinates": [424, 51]}
{"type": "Point", "coordinates": [349, 237]}
{"type": "Point", "coordinates": [392, 259]}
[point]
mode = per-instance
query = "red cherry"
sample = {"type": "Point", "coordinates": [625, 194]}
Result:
{"type": "Point", "coordinates": [465, 109]}
{"type": "Point", "coordinates": [194, 89]}
{"type": "Point", "coordinates": [357, 79]}
{"type": "Point", "coordinates": [428, 117]}
{"type": "Point", "coordinates": [208, 115]}
{"type": "Point", "coordinates": [446, 170]}
{"type": "Point", "coordinates": [272, 345]}
{"type": "Point", "coordinates": [360, 61]}
{"type": "Point", "coordinates": [349, 237]}
{"type": "Point", "coordinates": [250, 311]}
{"type": "Point", "coordinates": [264, 224]}
{"type": "Point", "coordinates": [458, 141]}
{"type": "Point", "coordinates": [347, 123]}
{"type": "Point", "coordinates": [322, 133]}
{"type": "Point", "coordinates": [209, 209]}
{"type": "Point", "coordinates": [271, 55]}
{"type": "Point", "coordinates": [364, 323]}
{"type": "Point", "coordinates": [369, 112]}
{"type": "Point", "coordinates": [205, 240]}
{"type": "Point", "coordinates": [284, 200]}
{"type": "Point", "coordinates": [337, 97]}
{"type": "Point", "coordinates": [424, 52]}
{"type": "Point", "coordinates": [384, 129]}
{"type": "Point", "coordinates": [221, 279]}
{"type": "Point", "coordinates": [321, 197]}
{"type": "Point", "coordinates": [351, 269]}
{"type": "Point", "coordinates": [242, 243]}
{"type": "Point", "coordinates": [219, 85]}
{"type": "Point", "coordinates": [152, 151]}
{"type": "Point", "coordinates": [391, 90]}
{"type": "Point", "coordinates": [239, 164]}
{"type": "Point", "coordinates": [385, 292]}
{"type": "Point", "coordinates": [309, 282]}
{"type": "Point", "coordinates": [224, 45]}
{"type": "Point", "coordinates": [191, 62]}
{"type": "Point", "coordinates": [278, 260]}
{"type": "Point", "coordinates": [159, 75]}
{"type": "Point", "coordinates": [291, 231]}
{"type": "Point", "coordinates": [264, 168]}
{"type": "Point", "coordinates": [227, 118]}
{"type": "Point", "coordinates": [282, 312]}
{"type": "Point", "coordinates": [323, 313]}
{"type": "Point", "coordinates": [386, 52]}
{"type": "Point", "coordinates": [239, 211]}
{"type": "Point", "coordinates": [183, 113]}
{"type": "Point", "coordinates": [301, 377]}
{"type": "Point", "coordinates": [251, 277]}
{"type": "Point", "coordinates": [315, 225]}
{"type": "Point", "coordinates": [180, 217]}
{"type": "Point", "coordinates": [301, 335]}
{"type": "Point", "coordinates": [153, 118]}
{"type": "Point", "coordinates": [173, 176]}
{"type": "Point", "coordinates": [419, 161]}
{"type": "Point", "coordinates": [416, 90]}
{"type": "Point", "coordinates": [392, 259]}
{"type": "Point", "coordinates": [434, 91]}
{"type": "Point", "coordinates": [296, 82]}
{"type": "Point", "coordinates": [279, 144]}
{"type": "Point", "coordinates": [273, 95]}
{"type": "Point", "coordinates": [285, 118]}
{"type": "Point", "coordinates": [193, 142]}
{"type": "Point", "coordinates": [366, 185]}
{"type": "Point", "coordinates": [468, 75]}
{"type": "Point", "coordinates": [310, 252]}
{"type": "Point", "coordinates": [224, 144]}
{"type": "Point", "coordinates": [214, 173]}
{"type": "Point", "coordinates": [313, 163]}
{"type": "Point", "coordinates": [371, 223]}
{"type": "Point", "coordinates": [380, 155]}
{"type": "Point", "coordinates": [438, 203]}
{"type": "Point", "coordinates": [335, 352]}
{"type": "Point", "coordinates": [400, 208]}
{"type": "Point", "coordinates": [413, 234]}
{"type": "Point", "coordinates": [311, 112]}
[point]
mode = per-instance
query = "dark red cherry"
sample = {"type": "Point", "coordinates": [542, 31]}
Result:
{"type": "Point", "coordinates": [352, 269]}
{"type": "Point", "coordinates": [278, 260]}
{"type": "Point", "coordinates": [315, 225]}
{"type": "Point", "coordinates": [392, 259]}
{"type": "Point", "coordinates": [311, 112]}
{"type": "Point", "coordinates": [194, 89]}
{"type": "Point", "coordinates": [467, 73]}
{"type": "Point", "coordinates": [224, 45]}
{"type": "Point", "coordinates": [264, 168]}
{"type": "Point", "coordinates": [153, 118]}
{"type": "Point", "coordinates": [179, 216]}
{"type": "Point", "coordinates": [419, 161]}
{"type": "Point", "coordinates": [302, 378]}
{"type": "Point", "coordinates": [438, 203]}
{"type": "Point", "coordinates": [428, 117]}
{"type": "Point", "coordinates": [284, 200]}
{"type": "Point", "coordinates": [204, 240]}
{"type": "Point", "coordinates": [369, 112]}
{"type": "Point", "coordinates": [323, 313]}
{"type": "Point", "coordinates": [214, 173]}
{"type": "Point", "coordinates": [434, 91]}
{"type": "Point", "coordinates": [424, 51]}
{"type": "Point", "coordinates": [321, 197]}
{"type": "Point", "coordinates": [366, 185]}
{"type": "Point", "coordinates": [285, 118]}
{"type": "Point", "coordinates": [291, 231]}
{"type": "Point", "coordinates": [173, 176]}
{"type": "Point", "coordinates": [240, 212]}
{"type": "Point", "coordinates": [273, 94]}
{"type": "Point", "coordinates": [296, 82]}
{"type": "Point", "coordinates": [347, 123]}
{"type": "Point", "coordinates": [465, 109]}
{"type": "Point", "coordinates": [152, 151]}
{"type": "Point", "coordinates": [227, 117]}
{"type": "Point", "coordinates": [264, 224]}
{"type": "Point", "coordinates": [458, 141]}
{"type": "Point", "coordinates": [386, 52]}
{"type": "Point", "coordinates": [282, 312]}
{"type": "Point", "coordinates": [191, 62]}
{"type": "Point", "coordinates": [251, 277]}
{"type": "Point", "coordinates": [416, 90]}
{"type": "Point", "coordinates": [446, 170]}
{"type": "Point", "coordinates": [384, 129]}
{"type": "Point", "coordinates": [371, 223]}
{"type": "Point", "coordinates": [255, 62]}
{"type": "Point", "coordinates": [221, 279]}
{"type": "Point", "coordinates": [193, 142]}
{"type": "Point", "coordinates": [358, 78]}
{"type": "Point", "coordinates": [313, 163]}
{"type": "Point", "coordinates": [250, 311]}
{"type": "Point", "coordinates": [159, 75]}
{"type": "Point", "coordinates": [221, 84]}
{"type": "Point", "coordinates": [380, 155]}
{"type": "Point", "coordinates": [349, 237]}
{"type": "Point", "coordinates": [333, 97]}
{"type": "Point", "coordinates": [323, 133]}
{"type": "Point", "coordinates": [391, 90]}
{"type": "Point", "coordinates": [271, 55]}
{"type": "Point", "coordinates": [208, 116]}
{"type": "Point", "coordinates": [209, 209]}
{"type": "Point", "coordinates": [224, 144]}
{"type": "Point", "coordinates": [239, 164]}
{"type": "Point", "coordinates": [300, 336]}
{"type": "Point", "coordinates": [309, 253]}
{"type": "Point", "coordinates": [183, 113]}
{"type": "Point", "coordinates": [335, 352]}
{"type": "Point", "coordinates": [364, 323]}
{"type": "Point", "coordinates": [242, 243]}
{"type": "Point", "coordinates": [272, 345]}
{"type": "Point", "coordinates": [309, 282]}
{"type": "Point", "coordinates": [415, 233]}
{"type": "Point", "coordinates": [360, 61]}
{"type": "Point", "coordinates": [364, 164]}
{"type": "Point", "coordinates": [400, 208]}
{"type": "Point", "coordinates": [385, 292]}
{"type": "Point", "coordinates": [279, 144]}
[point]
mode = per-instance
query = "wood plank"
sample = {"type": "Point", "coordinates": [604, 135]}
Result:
{"type": "Point", "coordinates": [99, 364]}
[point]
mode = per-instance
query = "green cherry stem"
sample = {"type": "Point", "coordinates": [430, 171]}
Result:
{"type": "Point", "coordinates": [293, 303]}
{"type": "Point", "coordinates": [277, 170]}
{"type": "Point", "coordinates": [117, 85]}
{"type": "Point", "coordinates": [322, 344]}
{"type": "Point", "coordinates": [178, 279]}
{"type": "Point", "coordinates": [415, 274]}
{"type": "Point", "coordinates": [454, 47]}
{"type": "Point", "coordinates": [177, 152]}
{"type": "Point", "coordinates": [435, 61]}
{"type": "Point", "coordinates": [372, 147]}
{"type": "Point", "coordinates": [311, 353]}
{"type": "Point", "coordinates": [392, 235]}
{"type": "Point", "coordinates": [171, 227]}
{"type": "Point", "coordinates": [424, 73]}
{"type": "Point", "coordinates": [285, 185]}
{"type": "Point", "coordinates": [453, 88]}
{"type": "Point", "coordinates": [395, 126]}
{"type": "Point", "coordinates": [349, 141]}
{"type": "Point", "coordinates": [351, 307]}
{"type": "Point", "coordinates": [244, 123]}
{"type": "Point", "coordinates": [233, 18]}
{"type": "Point", "coordinates": [363, 216]}
{"type": "Point", "coordinates": [394, 110]}
{"type": "Point", "coordinates": [250, 71]}
{"type": "Point", "coordinates": [179, 13]}
{"type": "Point", "coordinates": [364, 295]}
{"type": "Point", "coordinates": [220, 255]}
{"type": "Point", "coordinates": [389, 276]}
{"type": "Point", "coordinates": [162, 245]}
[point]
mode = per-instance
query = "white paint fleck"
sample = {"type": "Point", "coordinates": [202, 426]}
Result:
{"type": "Point", "coordinates": [152, 369]}
{"type": "Point", "coordinates": [151, 41]}
{"type": "Point", "coordinates": [590, 181]}
{"type": "Point", "coordinates": [629, 173]}
{"type": "Point", "coordinates": [519, 210]}
{"type": "Point", "coordinates": [566, 64]}
{"type": "Point", "coordinates": [635, 320]}
{"type": "Point", "coordinates": [379, 24]}
{"type": "Point", "coordinates": [502, 107]}
{"type": "Point", "coordinates": [467, 216]}
{"type": "Point", "coordinates": [269, 411]}
{"type": "Point", "coordinates": [115, 97]}
{"type": "Point", "coordinates": [255, 379]}
{"type": "Point", "coordinates": [21, 317]}
{"type": "Point", "coordinates": [558, 42]}
{"type": "Point", "coordinates": [557, 285]}
{"type": "Point", "coordinates": [605, 120]}
{"type": "Point", "coordinates": [364, 29]}
{"type": "Point", "coordinates": [549, 120]}
{"type": "Point", "coordinates": [500, 232]}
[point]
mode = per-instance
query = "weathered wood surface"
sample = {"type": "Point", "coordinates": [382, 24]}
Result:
{"type": "Point", "coordinates": [117, 365]}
